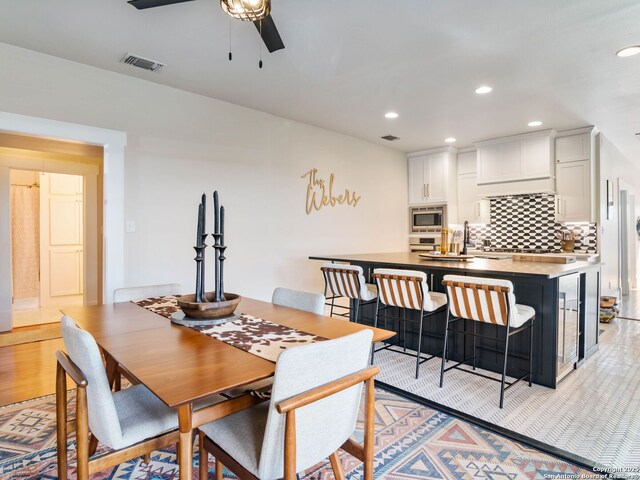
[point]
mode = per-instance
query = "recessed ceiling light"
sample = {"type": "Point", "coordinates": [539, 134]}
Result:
{"type": "Point", "coordinates": [450, 140]}
{"type": "Point", "coordinates": [391, 115]}
{"type": "Point", "coordinates": [629, 51]}
{"type": "Point", "coordinates": [483, 89]}
{"type": "Point", "coordinates": [535, 123]}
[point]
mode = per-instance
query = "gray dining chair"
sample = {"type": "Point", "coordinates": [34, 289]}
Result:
{"type": "Point", "coordinates": [311, 415]}
{"type": "Point", "coordinates": [309, 302]}
{"type": "Point", "coordinates": [127, 294]}
{"type": "Point", "coordinates": [132, 421]}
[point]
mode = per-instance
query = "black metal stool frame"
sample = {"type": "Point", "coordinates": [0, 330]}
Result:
{"type": "Point", "coordinates": [504, 385]}
{"type": "Point", "coordinates": [423, 315]}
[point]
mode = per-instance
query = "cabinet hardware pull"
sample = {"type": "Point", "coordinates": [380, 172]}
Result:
{"type": "Point", "coordinates": [424, 190]}
{"type": "Point", "coordinates": [428, 190]}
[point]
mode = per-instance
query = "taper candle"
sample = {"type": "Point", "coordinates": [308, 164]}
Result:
{"type": "Point", "coordinates": [204, 213]}
{"type": "Point", "coordinates": [216, 211]}
{"type": "Point", "coordinates": [200, 226]}
{"type": "Point", "coordinates": [222, 225]}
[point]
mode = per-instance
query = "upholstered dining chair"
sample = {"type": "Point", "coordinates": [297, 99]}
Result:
{"type": "Point", "coordinates": [132, 421]}
{"type": "Point", "coordinates": [312, 414]}
{"type": "Point", "coordinates": [309, 302]}
{"type": "Point", "coordinates": [127, 294]}
{"type": "Point", "coordinates": [285, 297]}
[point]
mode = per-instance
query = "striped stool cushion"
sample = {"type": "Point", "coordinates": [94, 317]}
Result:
{"type": "Point", "coordinates": [342, 281]}
{"type": "Point", "coordinates": [485, 300]}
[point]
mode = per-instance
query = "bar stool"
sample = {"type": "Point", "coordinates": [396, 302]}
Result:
{"type": "Point", "coordinates": [406, 289]}
{"type": "Point", "coordinates": [347, 281]}
{"type": "Point", "coordinates": [490, 301]}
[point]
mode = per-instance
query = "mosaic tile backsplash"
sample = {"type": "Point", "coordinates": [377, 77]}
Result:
{"type": "Point", "coordinates": [528, 222]}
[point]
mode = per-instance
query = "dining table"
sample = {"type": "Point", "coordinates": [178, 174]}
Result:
{"type": "Point", "coordinates": [183, 366]}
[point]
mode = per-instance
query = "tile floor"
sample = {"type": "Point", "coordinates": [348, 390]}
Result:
{"type": "Point", "coordinates": [630, 305]}
{"type": "Point", "coordinates": [594, 413]}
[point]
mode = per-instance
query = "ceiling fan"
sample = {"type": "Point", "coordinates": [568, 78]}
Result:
{"type": "Point", "coordinates": [266, 27]}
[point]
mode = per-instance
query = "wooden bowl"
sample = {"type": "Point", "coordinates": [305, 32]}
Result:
{"type": "Point", "coordinates": [209, 309]}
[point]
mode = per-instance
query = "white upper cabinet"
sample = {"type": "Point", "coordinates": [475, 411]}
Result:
{"type": "Point", "coordinates": [516, 165]}
{"type": "Point", "coordinates": [471, 207]}
{"type": "Point", "coordinates": [573, 148]}
{"type": "Point", "coordinates": [576, 176]}
{"type": "Point", "coordinates": [433, 177]}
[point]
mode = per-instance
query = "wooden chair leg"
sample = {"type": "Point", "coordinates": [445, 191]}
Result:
{"type": "Point", "coordinates": [61, 421]}
{"type": "Point", "coordinates": [117, 381]}
{"type": "Point", "coordinates": [336, 464]}
{"type": "Point", "coordinates": [369, 432]}
{"type": "Point", "coordinates": [203, 458]}
{"type": "Point", "coordinates": [219, 468]}
{"type": "Point", "coordinates": [82, 433]}
{"type": "Point", "coordinates": [93, 445]}
{"type": "Point", "coordinates": [147, 457]}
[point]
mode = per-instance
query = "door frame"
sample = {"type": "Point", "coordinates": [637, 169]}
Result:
{"type": "Point", "coordinates": [114, 143]}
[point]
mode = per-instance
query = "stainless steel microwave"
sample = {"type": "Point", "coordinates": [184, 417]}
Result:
{"type": "Point", "coordinates": [428, 219]}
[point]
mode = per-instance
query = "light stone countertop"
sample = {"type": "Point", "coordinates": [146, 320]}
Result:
{"type": "Point", "coordinates": [476, 265]}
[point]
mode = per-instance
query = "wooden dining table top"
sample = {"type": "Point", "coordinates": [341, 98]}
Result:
{"type": "Point", "coordinates": [181, 365]}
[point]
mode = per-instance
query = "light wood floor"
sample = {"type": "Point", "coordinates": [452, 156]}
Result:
{"type": "Point", "coordinates": [28, 370]}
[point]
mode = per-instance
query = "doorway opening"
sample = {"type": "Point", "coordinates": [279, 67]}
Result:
{"type": "Point", "coordinates": [47, 244]}
{"type": "Point", "coordinates": [55, 190]}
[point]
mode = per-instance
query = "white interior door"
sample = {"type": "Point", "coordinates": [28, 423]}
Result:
{"type": "Point", "coordinates": [61, 239]}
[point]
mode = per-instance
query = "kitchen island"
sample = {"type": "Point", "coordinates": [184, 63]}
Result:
{"type": "Point", "coordinates": [564, 296]}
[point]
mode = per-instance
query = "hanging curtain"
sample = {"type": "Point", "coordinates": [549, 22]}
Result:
{"type": "Point", "coordinates": [25, 241]}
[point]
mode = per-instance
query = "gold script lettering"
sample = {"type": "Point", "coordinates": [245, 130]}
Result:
{"type": "Point", "coordinates": [318, 195]}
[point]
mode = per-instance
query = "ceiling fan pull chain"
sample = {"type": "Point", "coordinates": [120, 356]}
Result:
{"type": "Point", "coordinates": [230, 54]}
{"type": "Point", "coordinates": [260, 62]}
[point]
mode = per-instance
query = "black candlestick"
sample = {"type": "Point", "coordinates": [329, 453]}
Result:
{"type": "Point", "coordinates": [222, 258]}
{"type": "Point", "coordinates": [216, 246]}
{"type": "Point", "coordinates": [199, 276]}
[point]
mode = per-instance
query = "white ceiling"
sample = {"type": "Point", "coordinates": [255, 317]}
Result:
{"type": "Point", "coordinates": [347, 62]}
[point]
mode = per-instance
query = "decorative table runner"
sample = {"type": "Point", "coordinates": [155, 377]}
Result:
{"type": "Point", "coordinates": [251, 334]}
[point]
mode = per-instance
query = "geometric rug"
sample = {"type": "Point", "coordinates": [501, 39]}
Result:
{"type": "Point", "coordinates": [593, 414]}
{"type": "Point", "coordinates": [412, 442]}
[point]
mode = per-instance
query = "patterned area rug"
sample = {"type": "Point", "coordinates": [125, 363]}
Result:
{"type": "Point", "coordinates": [412, 442]}
{"type": "Point", "coordinates": [260, 337]}
{"type": "Point", "coordinates": [594, 413]}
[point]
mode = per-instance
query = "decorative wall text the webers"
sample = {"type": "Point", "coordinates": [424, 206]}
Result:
{"type": "Point", "coordinates": [320, 193]}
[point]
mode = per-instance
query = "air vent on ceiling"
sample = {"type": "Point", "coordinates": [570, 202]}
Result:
{"type": "Point", "coordinates": [391, 138]}
{"type": "Point", "coordinates": [141, 62]}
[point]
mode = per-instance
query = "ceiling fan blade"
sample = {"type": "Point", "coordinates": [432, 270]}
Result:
{"type": "Point", "coordinates": [142, 4]}
{"type": "Point", "coordinates": [269, 33]}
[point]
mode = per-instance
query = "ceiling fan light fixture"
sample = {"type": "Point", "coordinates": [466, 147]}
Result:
{"type": "Point", "coordinates": [247, 10]}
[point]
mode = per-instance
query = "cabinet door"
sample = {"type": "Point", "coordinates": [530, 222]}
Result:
{"type": "Point", "coordinates": [573, 148]}
{"type": "Point", "coordinates": [488, 163]}
{"type": "Point", "coordinates": [417, 184]}
{"type": "Point", "coordinates": [467, 163]}
{"type": "Point", "coordinates": [573, 192]}
{"type": "Point", "coordinates": [436, 177]}
{"type": "Point", "coordinates": [510, 159]}
{"type": "Point", "coordinates": [467, 198]}
{"type": "Point", "coordinates": [536, 159]}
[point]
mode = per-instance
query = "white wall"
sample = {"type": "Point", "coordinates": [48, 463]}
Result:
{"type": "Point", "coordinates": [620, 170]}
{"type": "Point", "coordinates": [180, 145]}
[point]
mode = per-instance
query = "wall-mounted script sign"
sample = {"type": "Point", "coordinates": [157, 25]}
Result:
{"type": "Point", "coordinates": [320, 193]}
